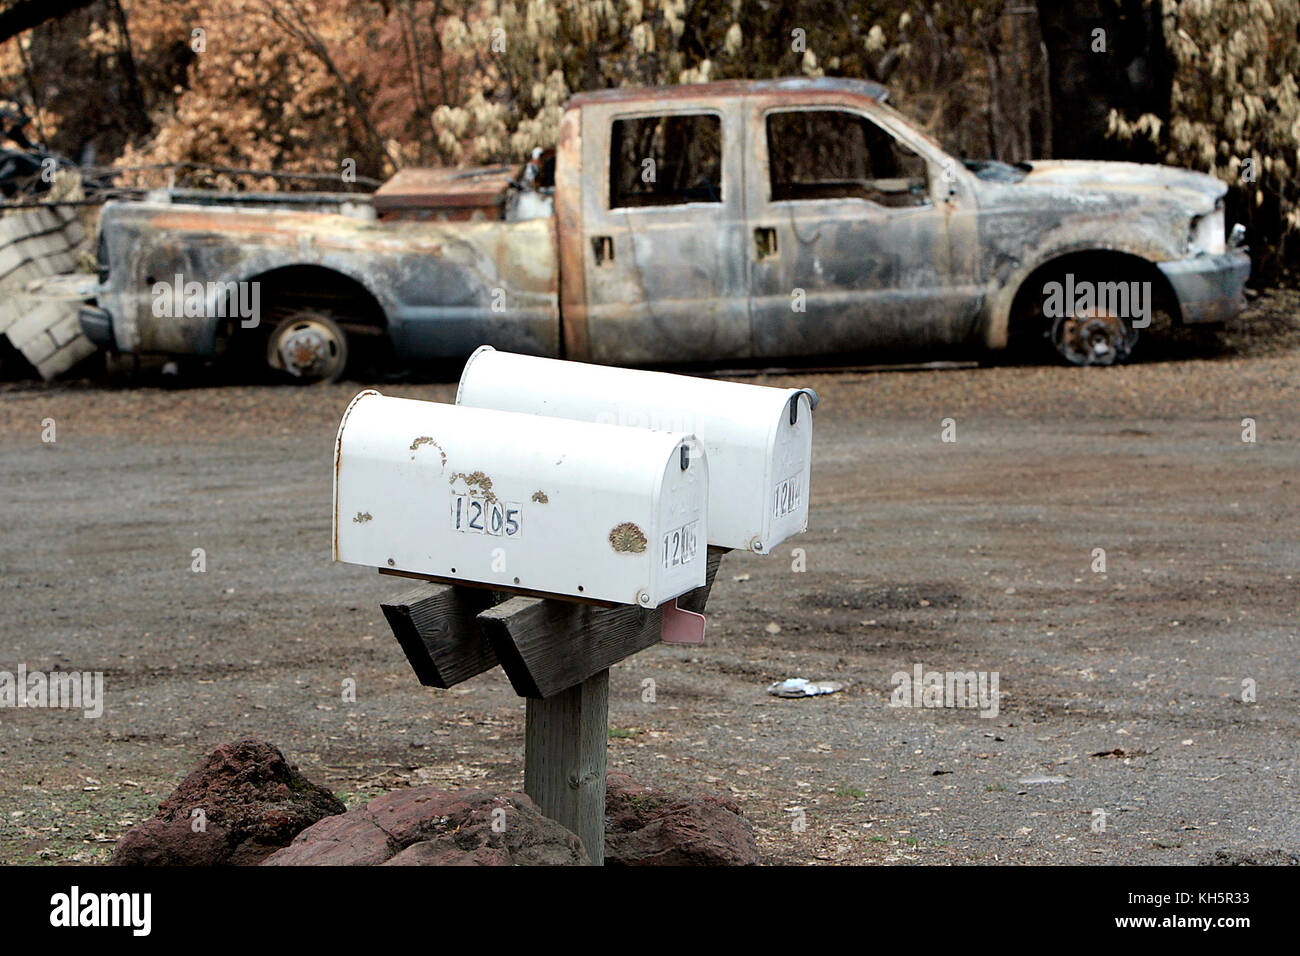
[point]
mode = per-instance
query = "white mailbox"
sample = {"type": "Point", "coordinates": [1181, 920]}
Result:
{"type": "Point", "coordinates": [758, 440]}
{"type": "Point", "coordinates": [499, 498]}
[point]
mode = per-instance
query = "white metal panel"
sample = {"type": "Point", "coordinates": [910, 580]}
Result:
{"type": "Point", "coordinates": [760, 464]}
{"type": "Point", "coordinates": [544, 504]}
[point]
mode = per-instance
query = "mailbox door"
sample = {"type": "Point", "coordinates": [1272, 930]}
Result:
{"type": "Point", "coordinates": [790, 476]}
{"type": "Point", "coordinates": [662, 223]}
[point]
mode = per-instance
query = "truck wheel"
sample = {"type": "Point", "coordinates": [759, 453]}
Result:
{"type": "Point", "coordinates": [1096, 339]}
{"type": "Point", "coordinates": [309, 347]}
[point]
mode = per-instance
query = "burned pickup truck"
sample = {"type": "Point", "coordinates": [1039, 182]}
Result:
{"type": "Point", "coordinates": [726, 221]}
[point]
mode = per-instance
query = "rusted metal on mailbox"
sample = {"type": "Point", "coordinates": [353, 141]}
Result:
{"type": "Point", "coordinates": [547, 505]}
{"type": "Point", "coordinates": [758, 439]}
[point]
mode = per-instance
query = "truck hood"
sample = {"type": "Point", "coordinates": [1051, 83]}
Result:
{"type": "Point", "coordinates": [1197, 191]}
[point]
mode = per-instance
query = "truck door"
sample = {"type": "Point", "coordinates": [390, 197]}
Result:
{"type": "Point", "coordinates": [850, 251]}
{"type": "Point", "coordinates": [663, 233]}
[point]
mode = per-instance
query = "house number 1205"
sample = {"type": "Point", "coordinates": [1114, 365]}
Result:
{"type": "Point", "coordinates": [471, 515]}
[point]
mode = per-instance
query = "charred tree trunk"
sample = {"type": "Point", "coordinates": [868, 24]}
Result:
{"type": "Point", "coordinates": [126, 57]}
{"type": "Point", "coordinates": [1104, 55]}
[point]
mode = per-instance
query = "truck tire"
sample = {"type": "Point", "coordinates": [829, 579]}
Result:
{"type": "Point", "coordinates": [1098, 338]}
{"type": "Point", "coordinates": [308, 347]}
{"type": "Point", "coordinates": [1093, 337]}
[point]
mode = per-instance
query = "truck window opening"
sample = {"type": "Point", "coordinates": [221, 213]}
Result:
{"type": "Point", "coordinates": [665, 160]}
{"type": "Point", "coordinates": [832, 154]}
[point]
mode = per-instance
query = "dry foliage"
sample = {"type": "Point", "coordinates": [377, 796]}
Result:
{"type": "Point", "coordinates": [1236, 109]}
{"type": "Point", "coordinates": [302, 85]}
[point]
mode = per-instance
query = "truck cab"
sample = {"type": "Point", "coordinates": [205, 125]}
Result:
{"type": "Point", "coordinates": [758, 220]}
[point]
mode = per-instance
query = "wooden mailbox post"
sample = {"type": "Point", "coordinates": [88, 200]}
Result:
{"type": "Point", "coordinates": [557, 655]}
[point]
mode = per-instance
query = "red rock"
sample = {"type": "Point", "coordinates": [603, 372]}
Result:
{"type": "Point", "coordinates": [345, 840]}
{"type": "Point", "coordinates": [647, 827]}
{"type": "Point", "coordinates": [424, 826]}
{"type": "Point", "coordinates": [254, 802]}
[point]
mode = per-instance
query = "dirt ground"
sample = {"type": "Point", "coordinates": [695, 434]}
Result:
{"type": "Point", "coordinates": [1122, 691]}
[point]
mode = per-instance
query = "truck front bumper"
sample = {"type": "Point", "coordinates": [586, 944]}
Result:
{"type": "Point", "coordinates": [1209, 288]}
{"type": "Point", "coordinates": [98, 326]}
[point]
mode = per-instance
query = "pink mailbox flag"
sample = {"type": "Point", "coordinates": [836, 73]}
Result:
{"type": "Point", "coordinates": [680, 626]}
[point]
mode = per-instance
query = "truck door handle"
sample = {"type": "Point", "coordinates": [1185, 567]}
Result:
{"type": "Point", "coordinates": [603, 249]}
{"type": "Point", "coordinates": [764, 241]}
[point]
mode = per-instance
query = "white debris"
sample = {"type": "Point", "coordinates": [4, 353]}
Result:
{"type": "Point", "coordinates": [801, 687]}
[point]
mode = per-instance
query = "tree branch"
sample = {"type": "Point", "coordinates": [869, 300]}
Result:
{"type": "Point", "coordinates": [25, 14]}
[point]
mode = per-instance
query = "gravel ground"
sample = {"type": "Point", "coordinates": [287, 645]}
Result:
{"type": "Point", "coordinates": [1122, 691]}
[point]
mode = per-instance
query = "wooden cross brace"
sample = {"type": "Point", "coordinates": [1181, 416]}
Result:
{"type": "Point", "coordinates": [557, 654]}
